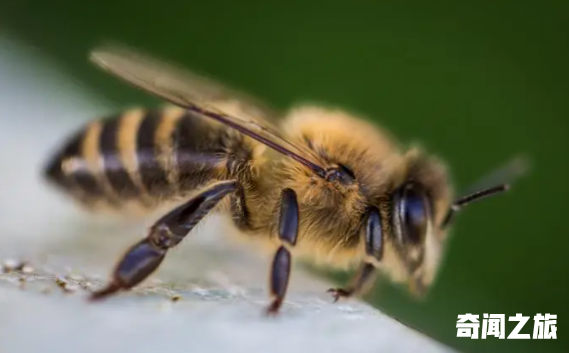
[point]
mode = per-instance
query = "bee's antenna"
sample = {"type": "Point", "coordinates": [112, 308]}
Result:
{"type": "Point", "coordinates": [515, 168]}
{"type": "Point", "coordinates": [465, 200]}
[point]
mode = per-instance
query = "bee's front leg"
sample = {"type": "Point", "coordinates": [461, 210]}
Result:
{"type": "Point", "coordinates": [144, 257]}
{"type": "Point", "coordinates": [365, 276]}
{"type": "Point", "coordinates": [288, 231]}
{"type": "Point", "coordinates": [363, 279]}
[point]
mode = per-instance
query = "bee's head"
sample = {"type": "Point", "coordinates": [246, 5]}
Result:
{"type": "Point", "coordinates": [422, 208]}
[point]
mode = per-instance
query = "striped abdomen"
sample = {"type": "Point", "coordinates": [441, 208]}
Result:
{"type": "Point", "coordinates": [145, 157]}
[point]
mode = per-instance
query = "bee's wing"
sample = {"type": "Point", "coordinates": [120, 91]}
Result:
{"type": "Point", "coordinates": [199, 94]}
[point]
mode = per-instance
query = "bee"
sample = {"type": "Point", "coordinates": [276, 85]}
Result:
{"type": "Point", "coordinates": [316, 183]}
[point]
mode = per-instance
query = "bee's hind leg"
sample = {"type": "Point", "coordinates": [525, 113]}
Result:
{"type": "Point", "coordinates": [288, 231]}
{"type": "Point", "coordinates": [365, 276]}
{"type": "Point", "coordinates": [144, 257]}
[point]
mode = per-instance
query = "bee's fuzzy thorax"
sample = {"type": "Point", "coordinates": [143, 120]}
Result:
{"type": "Point", "coordinates": [341, 138]}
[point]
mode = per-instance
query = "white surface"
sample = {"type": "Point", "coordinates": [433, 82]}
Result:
{"type": "Point", "coordinates": [223, 288]}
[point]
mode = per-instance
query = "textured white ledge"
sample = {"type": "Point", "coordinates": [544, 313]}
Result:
{"type": "Point", "coordinates": [222, 288]}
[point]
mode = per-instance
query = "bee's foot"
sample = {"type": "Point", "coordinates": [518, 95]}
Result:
{"type": "Point", "coordinates": [273, 309]}
{"type": "Point", "coordinates": [110, 289]}
{"type": "Point", "coordinates": [338, 293]}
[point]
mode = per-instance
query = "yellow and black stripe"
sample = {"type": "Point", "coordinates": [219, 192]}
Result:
{"type": "Point", "coordinates": [145, 156]}
{"type": "Point", "coordinates": [121, 169]}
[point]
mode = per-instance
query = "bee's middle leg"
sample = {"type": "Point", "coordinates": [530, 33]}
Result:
{"type": "Point", "coordinates": [144, 257]}
{"type": "Point", "coordinates": [366, 274]}
{"type": "Point", "coordinates": [281, 266]}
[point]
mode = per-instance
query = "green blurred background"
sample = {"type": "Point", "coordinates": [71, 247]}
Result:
{"type": "Point", "coordinates": [476, 82]}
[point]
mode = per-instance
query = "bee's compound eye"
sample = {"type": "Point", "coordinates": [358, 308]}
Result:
{"type": "Point", "coordinates": [413, 213]}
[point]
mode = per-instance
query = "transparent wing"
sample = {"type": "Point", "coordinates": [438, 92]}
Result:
{"type": "Point", "coordinates": [199, 94]}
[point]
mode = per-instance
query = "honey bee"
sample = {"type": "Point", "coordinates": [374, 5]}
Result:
{"type": "Point", "coordinates": [320, 183]}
